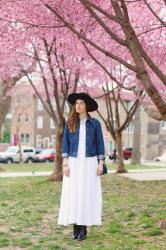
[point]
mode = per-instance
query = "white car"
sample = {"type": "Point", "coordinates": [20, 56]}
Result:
{"type": "Point", "coordinates": [12, 154]}
{"type": "Point", "coordinates": [161, 158]}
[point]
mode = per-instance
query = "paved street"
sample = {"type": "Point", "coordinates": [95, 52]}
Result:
{"type": "Point", "coordinates": [137, 174]}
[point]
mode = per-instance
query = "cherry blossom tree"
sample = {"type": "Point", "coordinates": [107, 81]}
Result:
{"type": "Point", "coordinates": [129, 32]}
{"type": "Point", "coordinates": [12, 56]}
{"type": "Point", "coordinates": [94, 33]}
{"type": "Point", "coordinates": [57, 71]}
{"type": "Point", "coordinates": [123, 26]}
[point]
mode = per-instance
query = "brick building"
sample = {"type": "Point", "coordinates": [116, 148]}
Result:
{"type": "Point", "coordinates": [22, 111]}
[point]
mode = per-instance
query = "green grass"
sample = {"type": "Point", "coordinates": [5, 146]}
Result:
{"type": "Point", "coordinates": [132, 213]}
{"type": "Point", "coordinates": [24, 167]}
{"type": "Point", "coordinates": [50, 166]}
{"type": "Point", "coordinates": [113, 166]}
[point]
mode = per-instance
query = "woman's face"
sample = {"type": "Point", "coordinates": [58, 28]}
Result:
{"type": "Point", "coordinates": [80, 106]}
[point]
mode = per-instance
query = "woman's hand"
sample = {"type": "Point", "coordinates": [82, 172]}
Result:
{"type": "Point", "coordinates": [100, 168]}
{"type": "Point", "coordinates": [66, 170]}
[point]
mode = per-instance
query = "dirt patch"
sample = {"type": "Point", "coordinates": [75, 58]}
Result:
{"type": "Point", "coordinates": [4, 230]}
{"type": "Point", "coordinates": [162, 225]}
{"type": "Point", "coordinates": [48, 220]}
{"type": "Point", "coordinates": [12, 248]}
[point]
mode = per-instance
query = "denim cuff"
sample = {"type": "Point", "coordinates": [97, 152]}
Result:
{"type": "Point", "coordinates": [65, 155]}
{"type": "Point", "coordinates": [101, 157]}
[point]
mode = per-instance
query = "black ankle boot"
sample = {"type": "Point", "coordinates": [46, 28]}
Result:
{"type": "Point", "coordinates": [76, 231]}
{"type": "Point", "coordinates": [83, 233]}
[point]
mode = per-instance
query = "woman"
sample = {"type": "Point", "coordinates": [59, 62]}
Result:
{"type": "Point", "coordinates": [83, 154]}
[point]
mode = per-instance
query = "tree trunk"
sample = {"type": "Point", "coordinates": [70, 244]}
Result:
{"type": "Point", "coordinates": [136, 154]}
{"type": "Point", "coordinates": [4, 108]}
{"type": "Point", "coordinates": [57, 174]}
{"type": "Point", "coordinates": [120, 163]}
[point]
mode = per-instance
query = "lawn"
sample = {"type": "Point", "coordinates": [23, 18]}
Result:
{"type": "Point", "coordinates": [132, 214]}
{"type": "Point", "coordinates": [17, 167]}
{"type": "Point", "coordinates": [24, 167]}
{"type": "Point", "coordinates": [113, 166]}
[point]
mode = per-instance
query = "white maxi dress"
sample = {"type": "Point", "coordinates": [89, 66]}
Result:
{"type": "Point", "coordinates": [81, 196]}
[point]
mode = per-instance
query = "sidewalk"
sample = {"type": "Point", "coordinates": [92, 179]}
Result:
{"type": "Point", "coordinates": [136, 174]}
{"type": "Point", "coordinates": [146, 175]}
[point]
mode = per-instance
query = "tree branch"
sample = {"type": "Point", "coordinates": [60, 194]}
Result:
{"type": "Point", "coordinates": [154, 13]}
{"type": "Point", "coordinates": [81, 36]}
{"type": "Point", "coordinates": [103, 25]}
{"type": "Point", "coordinates": [46, 89]}
{"type": "Point", "coordinates": [104, 68]}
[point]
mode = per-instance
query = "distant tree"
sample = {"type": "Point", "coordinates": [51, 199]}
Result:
{"type": "Point", "coordinates": [115, 106]}
{"type": "Point", "coordinates": [57, 80]}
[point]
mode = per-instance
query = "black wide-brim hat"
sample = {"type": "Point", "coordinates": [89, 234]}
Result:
{"type": "Point", "coordinates": [90, 102]}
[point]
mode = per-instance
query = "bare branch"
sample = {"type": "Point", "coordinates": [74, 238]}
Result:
{"type": "Point", "coordinates": [53, 75]}
{"type": "Point", "coordinates": [32, 25]}
{"type": "Point", "coordinates": [46, 88]}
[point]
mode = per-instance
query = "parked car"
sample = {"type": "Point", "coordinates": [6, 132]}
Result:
{"type": "Point", "coordinates": [127, 154]}
{"type": "Point", "coordinates": [38, 150]}
{"type": "Point", "coordinates": [161, 158]}
{"type": "Point", "coordinates": [46, 155]}
{"type": "Point", "coordinates": [12, 154]}
{"type": "Point", "coordinates": [113, 155]}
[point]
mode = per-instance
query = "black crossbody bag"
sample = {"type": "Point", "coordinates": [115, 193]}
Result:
{"type": "Point", "coordinates": [104, 168]}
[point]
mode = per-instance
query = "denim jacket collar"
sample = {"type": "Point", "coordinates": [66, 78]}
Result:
{"type": "Point", "coordinates": [89, 118]}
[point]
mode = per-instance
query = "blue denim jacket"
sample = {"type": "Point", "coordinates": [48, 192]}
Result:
{"type": "Point", "coordinates": [94, 140]}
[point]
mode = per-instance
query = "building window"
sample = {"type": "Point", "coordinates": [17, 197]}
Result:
{"type": "Point", "coordinates": [53, 140]}
{"type": "Point", "coordinates": [52, 124]}
{"type": "Point", "coordinates": [129, 129]}
{"type": "Point", "coordinates": [25, 138]}
{"type": "Point", "coordinates": [18, 118]}
{"type": "Point", "coordinates": [163, 124]}
{"type": "Point", "coordinates": [40, 122]}
{"type": "Point", "coordinates": [39, 105]}
{"type": "Point", "coordinates": [26, 117]}
{"type": "Point", "coordinates": [39, 141]}
{"type": "Point", "coordinates": [22, 138]}
{"type": "Point", "coordinates": [46, 142]}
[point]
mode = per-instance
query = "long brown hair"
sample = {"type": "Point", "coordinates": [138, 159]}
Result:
{"type": "Point", "coordinates": [72, 122]}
